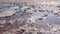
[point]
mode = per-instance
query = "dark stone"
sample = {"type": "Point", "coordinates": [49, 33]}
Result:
{"type": "Point", "coordinates": [44, 15]}
{"type": "Point", "coordinates": [30, 32]}
{"type": "Point", "coordinates": [8, 23]}
{"type": "Point", "coordinates": [30, 21]}
{"type": "Point", "coordinates": [28, 8]}
{"type": "Point", "coordinates": [22, 30]}
{"type": "Point", "coordinates": [4, 3]}
{"type": "Point", "coordinates": [39, 7]}
{"type": "Point", "coordinates": [58, 6]}
{"type": "Point", "coordinates": [40, 18]}
{"type": "Point", "coordinates": [25, 10]}
{"type": "Point", "coordinates": [41, 11]}
{"type": "Point", "coordinates": [0, 8]}
{"type": "Point", "coordinates": [55, 31]}
{"type": "Point", "coordinates": [56, 13]}
{"type": "Point", "coordinates": [19, 32]}
{"type": "Point", "coordinates": [16, 9]}
{"type": "Point", "coordinates": [59, 29]}
{"type": "Point", "coordinates": [58, 9]}
{"type": "Point", "coordinates": [32, 6]}
{"type": "Point", "coordinates": [39, 33]}
{"type": "Point", "coordinates": [34, 10]}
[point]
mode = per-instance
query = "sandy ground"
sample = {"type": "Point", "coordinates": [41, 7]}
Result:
{"type": "Point", "coordinates": [29, 1]}
{"type": "Point", "coordinates": [40, 24]}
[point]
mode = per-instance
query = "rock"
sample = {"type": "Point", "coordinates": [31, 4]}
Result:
{"type": "Point", "coordinates": [14, 8]}
{"type": "Point", "coordinates": [24, 8]}
{"type": "Point", "coordinates": [12, 21]}
{"type": "Point", "coordinates": [7, 13]}
{"type": "Point", "coordinates": [40, 18]}
{"type": "Point", "coordinates": [2, 21]}
{"type": "Point", "coordinates": [39, 33]}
